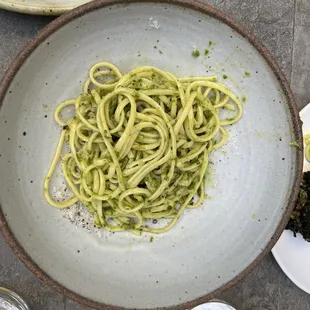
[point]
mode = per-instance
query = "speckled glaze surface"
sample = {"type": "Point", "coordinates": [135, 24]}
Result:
{"type": "Point", "coordinates": [41, 7]}
{"type": "Point", "coordinates": [254, 180]}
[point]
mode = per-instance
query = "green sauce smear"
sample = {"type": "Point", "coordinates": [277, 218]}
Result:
{"type": "Point", "coordinates": [294, 143]}
{"type": "Point", "coordinates": [195, 53]}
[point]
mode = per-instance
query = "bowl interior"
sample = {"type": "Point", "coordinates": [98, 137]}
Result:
{"type": "Point", "coordinates": [250, 179]}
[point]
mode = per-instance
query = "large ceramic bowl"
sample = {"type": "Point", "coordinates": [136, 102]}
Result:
{"type": "Point", "coordinates": [254, 179]}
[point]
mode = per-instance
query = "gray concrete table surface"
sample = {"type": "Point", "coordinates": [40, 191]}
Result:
{"type": "Point", "coordinates": [284, 27]}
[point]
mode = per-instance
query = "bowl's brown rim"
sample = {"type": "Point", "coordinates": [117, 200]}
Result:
{"type": "Point", "coordinates": [210, 11]}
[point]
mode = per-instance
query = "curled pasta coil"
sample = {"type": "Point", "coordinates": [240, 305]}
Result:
{"type": "Point", "coordinates": [139, 145]}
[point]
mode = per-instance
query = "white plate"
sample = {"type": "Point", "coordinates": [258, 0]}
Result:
{"type": "Point", "coordinates": [41, 7]}
{"type": "Point", "coordinates": [293, 254]}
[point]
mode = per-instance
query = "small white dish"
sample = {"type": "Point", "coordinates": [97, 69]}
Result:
{"type": "Point", "coordinates": [293, 253]}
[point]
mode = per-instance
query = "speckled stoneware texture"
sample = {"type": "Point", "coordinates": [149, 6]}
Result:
{"type": "Point", "coordinates": [41, 7]}
{"type": "Point", "coordinates": [253, 181]}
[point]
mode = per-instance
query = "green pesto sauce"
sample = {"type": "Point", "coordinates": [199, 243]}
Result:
{"type": "Point", "coordinates": [208, 175]}
{"type": "Point", "coordinates": [155, 46]}
{"type": "Point", "coordinates": [243, 99]}
{"type": "Point", "coordinates": [152, 239]}
{"type": "Point", "coordinates": [294, 143]}
{"type": "Point", "coordinates": [195, 53]}
{"type": "Point", "coordinates": [225, 76]}
{"type": "Point", "coordinates": [247, 73]}
{"type": "Point", "coordinates": [160, 52]}
{"type": "Point", "coordinates": [211, 43]}
{"type": "Point", "coordinates": [206, 52]}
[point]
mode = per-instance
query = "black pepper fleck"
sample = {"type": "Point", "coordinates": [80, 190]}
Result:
{"type": "Point", "coordinates": [24, 133]}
